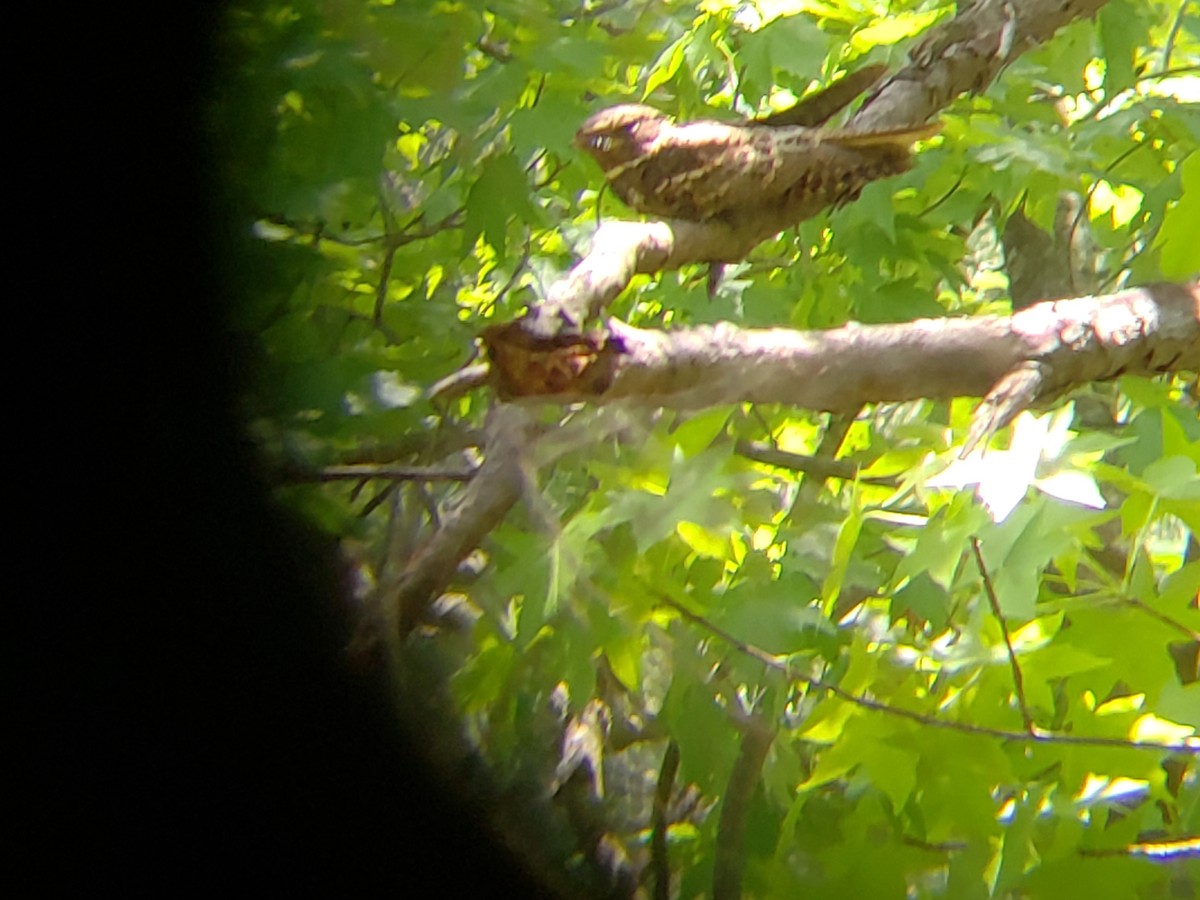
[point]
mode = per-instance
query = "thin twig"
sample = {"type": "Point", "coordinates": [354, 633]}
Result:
{"type": "Point", "coordinates": [837, 426]}
{"type": "Point", "coordinates": [385, 275]}
{"type": "Point", "coordinates": [1168, 73]}
{"type": "Point", "coordinates": [375, 501]}
{"type": "Point", "coordinates": [934, 847]}
{"type": "Point", "coordinates": [816, 466]}
{"type": "Point", "coordinates": [946, 196]}
{"type": "Point", "coordinates": [553, 173]}
{"type": "Point", "coordinates": [394, 239]}
{"type": "Point", "coordinates": [453, 219]}
{"type": "Point", "coordinates": [1037, 735]}
{"type": "Point", "coordinates": [1018, 678]}
{"type": "Point", "coordinates": [497, 50]}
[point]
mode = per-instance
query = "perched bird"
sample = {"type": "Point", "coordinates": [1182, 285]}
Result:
{"type": "Point", "coordinates": [707, 170]}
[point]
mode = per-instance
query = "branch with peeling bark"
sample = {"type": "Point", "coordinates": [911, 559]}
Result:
{"type": "Point", "coordinates": [1011, 361]}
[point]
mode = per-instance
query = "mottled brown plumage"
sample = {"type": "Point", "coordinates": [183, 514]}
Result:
{"type": "Point", "coordinates": [707, 170]}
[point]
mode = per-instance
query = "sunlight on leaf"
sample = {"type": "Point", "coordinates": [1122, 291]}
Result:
{"type": "Point", "coordinates": [1100, 789]}
{"type": "Point", "coordinates": [705, 541]}
{"type": "Point", "coordinates": [1181, 223]}
{"type": "Point", "coordinates": [666, 66]}
{"type": "Point", "coordinates": [1120, 705]}
{"type": "Point", "coordinates": [895, 28]}
{"type": "Point", "coordinates": [1121, 201]}
{"type": "Point", "coordinates": [1073, 487]}
{"type": "Point", "coordinates": [1002, 477]}
{"type": "Point", "coordinates": [1151, 728]}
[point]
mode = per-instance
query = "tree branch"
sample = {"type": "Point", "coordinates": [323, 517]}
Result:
{"type": "Point", "coordinates": [730, 850]}
{"type": "Point", "coordinates": [1011, 361]}
{"type": "Point", "coordinates": [817, 466]}
{"type": "Point", "coordinates": [660, 860]}
{"type": "Point", "coordinates": [965, 54]}
{"type": "Point", "coordinates": [495, 487]}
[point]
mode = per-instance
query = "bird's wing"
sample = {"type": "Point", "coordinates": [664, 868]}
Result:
{"type": "Point", "coordinates": [700, 169]}
{"type": "Point", "coordinates": [832, 167]}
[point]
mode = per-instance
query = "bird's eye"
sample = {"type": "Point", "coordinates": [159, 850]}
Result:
{"type": "Point", "coordinates": [602, 142]}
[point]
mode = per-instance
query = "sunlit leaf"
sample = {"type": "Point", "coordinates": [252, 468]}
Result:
{"type": "Point", "coordinates": [894, 28]}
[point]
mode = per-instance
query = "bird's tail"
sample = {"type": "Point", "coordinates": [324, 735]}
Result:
{"type": "Point", "coordinates": [889, 137]}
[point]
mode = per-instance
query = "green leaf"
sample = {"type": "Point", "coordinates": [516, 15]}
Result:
{"type": "Point", "coordinates": [894, 28]}
{"type": "Point", "coordinates": [1180, 251]}
{"type": "Point", "coordinates": [500, 191]}
{"type": "Point", "coordinates": [696, 432]}
{"type": "Point", "coordinates": [1119, 29]}
{"type": "Point", "coordinates": [792, 44]}
{"type": "Point", "coordinates": [689, 497]}
{"type": "Point", "coordinates": [942, 542]}
{"type": "Point", "coordinates": [1017, 551]}
{"type": "Point", "coordinates": [665, 67]}
{"type": "Point", "coordinates": [708, 542]}
{"type": "Point", "coordinates": [926, 598]}
{"type": "Point", "coordinates": [1180, 588]}
{"type": "Point", "coordinates": [777, 616]}
{"type": "Point", "coordinates": [1173, 478]}
{"type": "Point", "coordinates": [1013, 853]}
{"type": "Point", "coordinates": [847, 538]}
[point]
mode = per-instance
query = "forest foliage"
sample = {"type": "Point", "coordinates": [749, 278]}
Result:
{"type": "Point", "coordinates": [941, 681]}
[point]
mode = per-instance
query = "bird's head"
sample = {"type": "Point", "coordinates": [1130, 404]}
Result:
{"type": "Point", "coordinates": [620, 134]}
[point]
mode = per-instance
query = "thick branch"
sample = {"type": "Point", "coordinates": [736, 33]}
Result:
{"type": "Point", "coordinates": [965, 54]}
{"type": "Point", "coordinates": [486, 500]}
{"type": "Point", "coordinates": [1070, 342]}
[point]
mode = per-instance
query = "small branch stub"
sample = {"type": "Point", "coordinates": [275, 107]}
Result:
{"type": "Point", "coordinates": [563, 365]}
